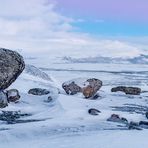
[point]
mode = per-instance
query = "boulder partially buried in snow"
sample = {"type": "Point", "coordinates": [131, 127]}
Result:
{"type": "Point", "coordinates": [52, 93]}
{"type": "Point", "coordinates": [127, 90]}
{"type": "Point", "coordinates": [38, 91]}
{"type": "Point", "coordinates": [71, 88]}
{"type": "Point", "coordinates": [94, 111]}
{"type": "Point", "coordinates": [13, 95]}
{"type": "Point", "coordinates": [88, 87]}
{"type": "Point", "coordinates": [3, 100]}
{"type": "Point", "coordinates": [11, 66]}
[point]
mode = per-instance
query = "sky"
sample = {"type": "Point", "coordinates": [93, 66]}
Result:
{"type": "Point", "coordinates": [109, 17]}
{"type": "Point", "coordinates": [53, 25]}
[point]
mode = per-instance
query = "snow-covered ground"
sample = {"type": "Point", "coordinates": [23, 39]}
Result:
{"type": "Point", "coordinates": [65, 122]}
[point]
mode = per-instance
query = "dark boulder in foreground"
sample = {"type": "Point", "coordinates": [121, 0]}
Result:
{"type": "Point", "coordinates": [3, 100]}
{"type": "Point", "coordinates": [11, 66]}
{"type": "Point", "coordinates": [127, 90]}
{"type": "Point", "coordinates": [38, 91]}
{"type": "Point", "coordinates": [94, 111]}
{"type": "Point", "coordinates": [88, 86]}
{"type": "Point", "coordinates": [13, 95]}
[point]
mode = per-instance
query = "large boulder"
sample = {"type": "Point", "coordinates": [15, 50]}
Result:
{"type": "Point", "coordinates": [3, 100]}
{"type": "Point", "coordinates": [11, 66]}
{"type": "Point", "coordinates": [88, 87]}
{"type": "Point", "coordinates": [127, 90]}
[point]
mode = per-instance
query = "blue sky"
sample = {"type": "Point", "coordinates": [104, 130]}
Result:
{"type": "Point", "coordinates": [115, 17]}
{"type": "Point", "coordinates": [108, 28]}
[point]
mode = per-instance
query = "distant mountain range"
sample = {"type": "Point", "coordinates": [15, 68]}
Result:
{"type": "Point", "coordinates": [141, 59]}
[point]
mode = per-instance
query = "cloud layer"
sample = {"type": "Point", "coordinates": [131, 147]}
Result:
{"type": "Point", "coordinates": [36, 27]}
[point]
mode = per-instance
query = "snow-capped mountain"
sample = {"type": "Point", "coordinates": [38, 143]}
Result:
{"type": "Point", "coordinates": [141, 59]}
{"type": "Point", "coordinates": [90, 51]}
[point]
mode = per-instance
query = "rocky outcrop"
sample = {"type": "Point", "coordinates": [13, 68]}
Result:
{"type": "Point", "coordinates": [88, 87]}
{"type": "Point", "coordinates": [127, 90]}
{"type": "Point", "coordinates": [38, 91]}
{"type": "Point", "coordinates": [3, 100]}
{"type": "Point", "coordinates": [11, 66]}
{"type": "Point", "coordinates": [12, 95]}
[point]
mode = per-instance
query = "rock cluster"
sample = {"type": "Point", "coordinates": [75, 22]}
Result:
{"type": "Point", "coordinates": [8, 96]}
{"type": "Point", "coordinates": [130, 125]}
{"type": "Point", "coordinates": [11, 66]}
{"type": "Point", "coordinates": [88, 87]}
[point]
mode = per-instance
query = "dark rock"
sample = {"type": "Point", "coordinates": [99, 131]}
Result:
{"type": "Point", "coordinates": [96, 96]}
{"type": "Point", "coordinates": [143, 123]}
{"type": "Point", "coordinates": [116, 118]}
{"type": "Point", "coordinates": [13, 95]}
{"type": "Point", "coordinates": [14, 117]}
{"type": "Point", "coordinates": [146, 114]}
{"type": "Point", "coordinates": [25, 121]}
{"type": "Point", "coordinates": [88, 87]}
{"type": "Point", "coordinates": [3, 100]}
{"type": "Point", "coordinates": [38, 91]}
{"type": "Point", "coordinates": [11, 66]}
{"type": "Point", "coordinates": [11, 116]}
{"type": "Point", "coordinates": [94, 111]}
{"type": "Point", "coordinates": [134, 125]}
{"type": "Point", "coordinates": [127, 90]}
{"type": "Point", "coordinates": [138, 126]}
{"type": "Point", "coordinates": [50, 99]}
{"type": "Point", "coordinates": [124, 120]}
{"type": "Point", "coordinates": [131, 108]}
{"type": "Point", "coordinates": [71, 88]}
